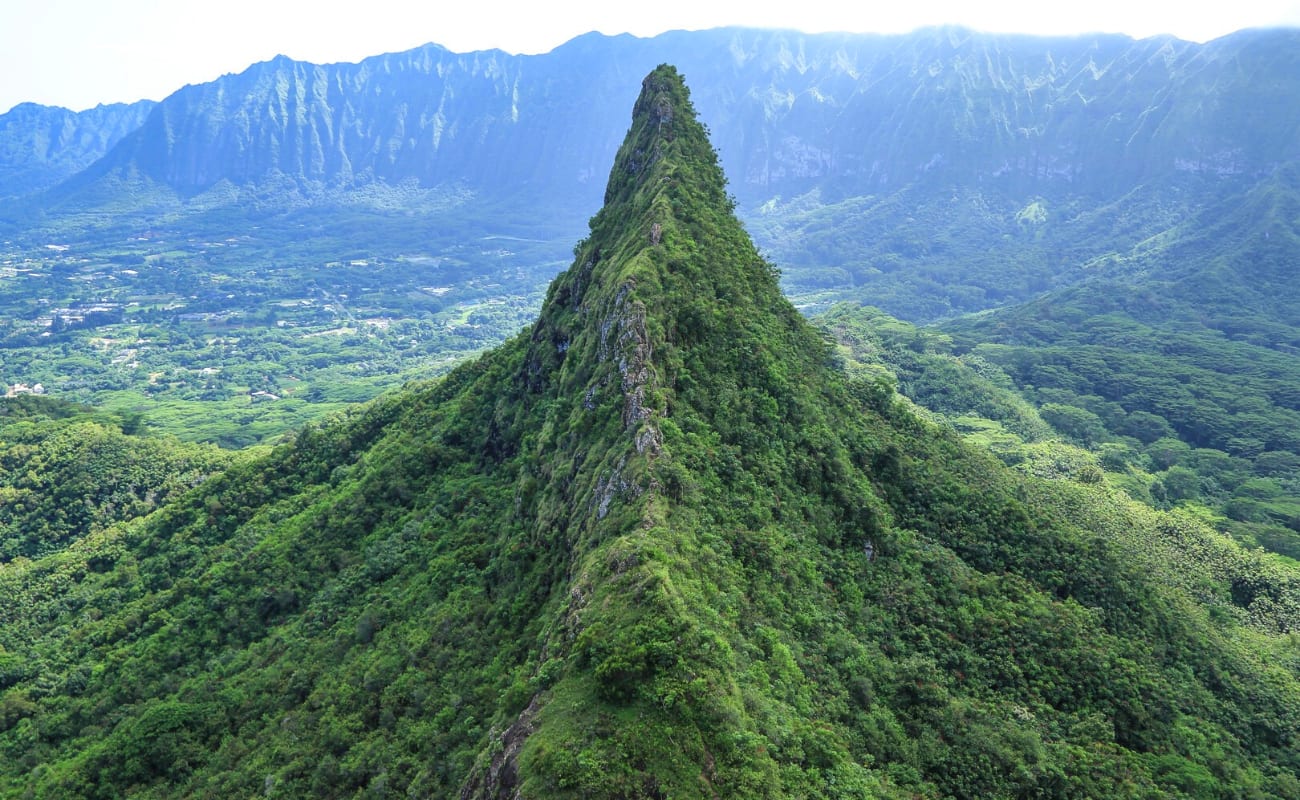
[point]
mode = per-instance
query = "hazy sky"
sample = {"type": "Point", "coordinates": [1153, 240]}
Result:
{"type": "Point", "coordinates": [79, 53]}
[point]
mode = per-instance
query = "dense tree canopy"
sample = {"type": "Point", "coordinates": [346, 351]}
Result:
{"type": "Point", "coordinates": [667, 542]}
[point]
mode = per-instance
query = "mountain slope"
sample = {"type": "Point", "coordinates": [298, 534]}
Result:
{"type": "Point", "coordinates": [1180, 358]}
{"type": "Point", "coordinates": [848, 115]}
{"type": "Point", "coordinates": [654, 546]}
{"type": "Point", "coordinates": [66, 472]}
{"type": "Point", "coordinates": [41, 146]}
{"type": "Point", "coordinates": [865, 164]}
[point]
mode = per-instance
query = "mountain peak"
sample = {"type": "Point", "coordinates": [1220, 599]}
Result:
{"type": "Point", "coordinates": [664, 123]}
{"type": "Point", "coordinates": [659, 400]}
{"type": "Point", "coordinates": [667, 271]}
{"type": "Point", "coordinates": [654, 547]}
{"type": "Point", "coordinates": [666, 201]}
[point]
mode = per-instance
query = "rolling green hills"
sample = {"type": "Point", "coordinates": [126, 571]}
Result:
{"type": "Point", "coordinates": [66, 472]}
{"type": "Point", "coordinates": [1180, 360]}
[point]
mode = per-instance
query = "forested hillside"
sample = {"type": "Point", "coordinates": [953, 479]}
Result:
{"type": "Point", "coordinates": [666, 542]}
{"type": "Point", "coordinates": [1180, 361]}
{"type": "Point", "coordinates": [67, 471]}
{"type": "Point", "coordinates": [261, 249]}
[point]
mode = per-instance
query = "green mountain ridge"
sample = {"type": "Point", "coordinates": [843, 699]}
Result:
{"type": "Point", "coordinates": [322, 233]}
{"type": "Point", "coordinates": [657, 545]}
{"type": "Point", "coordinates": [1179, 355]}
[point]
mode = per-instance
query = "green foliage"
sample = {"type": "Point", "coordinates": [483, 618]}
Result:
{"type": "Point", "coordinates": [967, 390]}
{"type": "Point", "coordinates": [929, 250]}
{"type": "Point", "coordinates": [67, 471]}
{"type": "Point", "coordinates": [657, 545]}
{"type": "Point", "coordinates": [1204, 404]}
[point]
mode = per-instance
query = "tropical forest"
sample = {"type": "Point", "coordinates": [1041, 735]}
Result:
{"type": "Point", "coordinates": [735, 413]}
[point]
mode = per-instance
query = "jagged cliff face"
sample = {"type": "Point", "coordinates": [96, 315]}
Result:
{"type": "Point", "coordinates": [1096, 115]}
{"type": "Point", "coordinates": [905, 172]}
{"type": "Point", "coordinates": [483, 120]}
{"type": "Point", "coordinates": [42, 145]}
{"type": "Point", "coordinates": [790, 112]}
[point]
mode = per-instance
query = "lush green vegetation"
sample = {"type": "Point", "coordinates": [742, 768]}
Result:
{"type": "Point", "coordinates": [67, 471]}
{"type": "Point", "coordinates": [1179, 367]}
{"type": "Point", "coordinates": [668, 542]}
{"type": "Point", "coordinates": [932, 251]}
{"type": "Point", "coordinates": [238, 339]}
{"type": "Point", "coordinates": [1081, 409]}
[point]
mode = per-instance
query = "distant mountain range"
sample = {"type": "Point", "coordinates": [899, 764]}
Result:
{"type": "Point", "coordinates": [41, 146]}
{"type": "Point", "coordinates": [917, 139]}
{"type": "Point", "coordinates": [853, 114]}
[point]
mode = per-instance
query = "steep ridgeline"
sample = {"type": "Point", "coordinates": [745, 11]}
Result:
{"type": "Point", "coordinates": [655, 546]}
{"type": "Point", "coordinates": [932, 173]}
{"type": "Point", "coordinates": [43, 145]}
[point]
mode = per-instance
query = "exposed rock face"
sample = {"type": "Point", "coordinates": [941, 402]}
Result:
{"type": "Point", "coordinates": [42, 145]}
{"type": "Point", "coordinates": [501, 778]}
{"type": "Point", "coordinates": [846, 114]}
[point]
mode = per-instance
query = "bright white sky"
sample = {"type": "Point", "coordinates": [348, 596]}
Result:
{"type": "Point", "coordinates": [79, 53]}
